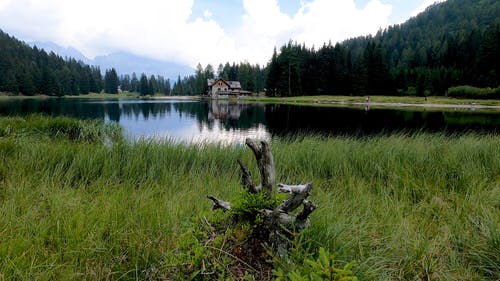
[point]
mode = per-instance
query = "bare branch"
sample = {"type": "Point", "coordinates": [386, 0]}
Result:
{"type": "Point", "coordinates": [302, 218]}
{"type": "Point", "coordinates": [295, 199]}
{"type": "Point", "coordinates": [219, 204]}
{"type": "Point", "coordinates": [254, 147]}
{"type": "Point", "coordinates": [265, 162]}
{"type": "Point", "coordinates": [279, 225]}
{"type": "Point", "coordinates": [246, 179]}
{"type": "Point", "coordinates": [285, 188]}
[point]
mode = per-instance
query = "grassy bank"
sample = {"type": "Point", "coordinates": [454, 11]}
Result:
{"type": "Point", "coordinates": [405, 207]}
{"type": "Point", "coordinates": [374, 99]}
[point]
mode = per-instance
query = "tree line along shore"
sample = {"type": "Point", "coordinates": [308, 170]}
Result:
{"type": "Point", "coordinates": [451, 49]}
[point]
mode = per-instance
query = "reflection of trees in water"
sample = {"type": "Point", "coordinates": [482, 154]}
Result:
{"type": "Point", "coordinates": [226, 114]}
{"type": "Point", "coordinates": [145, 110]}
{"type": "Point", "coordinates": [473, 120]}
{"type": "Point", "coordinates": [54, 107]}
{"type": "Point", "coordinates": [286, 120]}
{"type": "Point", "coordinates": [279, 119]}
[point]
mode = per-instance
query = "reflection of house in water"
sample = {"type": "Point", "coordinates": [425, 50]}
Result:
{"type": "Point", "coordinates": [235, 114]}
{"type": "Point", "coordinates": [224, 110]}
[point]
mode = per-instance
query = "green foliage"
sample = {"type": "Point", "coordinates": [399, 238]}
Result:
{"type": "Point", "coordinates": [322, 268]}
{"type": "Point", "coordinates": [451, 43]}
{"type": "Point", "coordinates": [39, 126]}
{"type": "Point", "coordinates": [111, 81]}
{"type": "Point", "coordinates": [406, 207]}
{"type": "Point", "coordinates": [32, 71]}
{"type": "Point", "coordinates": [470, 92]}
{"type": "Point", "coordinates": [247, 206]}
{"type": "Point", "coordinates": [251, 78]}
{"type": "Point", "coordinates": [203, 253]}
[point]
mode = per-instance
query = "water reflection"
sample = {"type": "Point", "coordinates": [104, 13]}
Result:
{"type": "Point", "coordinates": [233, 121]}
{"type": "Point", "coordinates": [196, 122]}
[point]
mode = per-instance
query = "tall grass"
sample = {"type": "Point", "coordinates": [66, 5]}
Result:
{"type": "Point", "coordinates": [405, 207]}
{"type": "Point", "coordinates": [44, 127]}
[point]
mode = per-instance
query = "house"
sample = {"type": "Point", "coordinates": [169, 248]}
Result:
{"type": "Point", "coordinates": [222, 88]}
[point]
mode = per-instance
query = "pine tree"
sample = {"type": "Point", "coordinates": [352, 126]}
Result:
{"type": "Point", "coordinates": [144, 85]}
{"type": "Point", "coordinates": [111, 81]}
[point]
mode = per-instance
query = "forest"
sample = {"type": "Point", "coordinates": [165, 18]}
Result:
{"type": "Point", "coordinates": [450, 44]}
{"type": "Point", "coordinates": [32, 71]}
{"type": "Point", "coordinates": [453, 43]}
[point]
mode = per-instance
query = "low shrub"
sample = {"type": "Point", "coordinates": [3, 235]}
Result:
{"type": "Point", "coordinates": [470, 92]}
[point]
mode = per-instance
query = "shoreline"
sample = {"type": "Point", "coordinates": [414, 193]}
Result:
{"type": "Point", "coordinates": [377, 101]}
{"type": "Point", "coordinates": [422, 105]}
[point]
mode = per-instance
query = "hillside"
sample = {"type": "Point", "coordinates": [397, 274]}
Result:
{"type": "Point", "coordinates": [31, 71]}
{"type": "Point", "coordinates": [451, 43]}
{"type": "Point", "coordinates": [125, 63]}
{"type": "Point", "coordinates": [27, 70]}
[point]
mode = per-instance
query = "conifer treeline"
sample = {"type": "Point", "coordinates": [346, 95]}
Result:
{"type": "Point", "coordinates": [144, 85]}
{"type": "Point", "coordinates": [452, 43]}
{"type": "Point", "coordinates": [251, 78]}
{"type": "Point", "coordinates": [32, 71]}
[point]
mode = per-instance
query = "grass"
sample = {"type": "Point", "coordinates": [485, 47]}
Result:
{"type": "Point", "coordinates": [406, 207]}
{"type": "Point", "coordinates": [374, 99]}
{"type": "Point", "coordinates": [41, 127]}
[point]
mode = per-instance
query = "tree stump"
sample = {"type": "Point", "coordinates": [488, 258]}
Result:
{"type": "Point", "coordinates": [279, 223]}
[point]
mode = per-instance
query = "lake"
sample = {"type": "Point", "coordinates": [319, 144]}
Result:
{"type": "Point", "coordinates": [232, 121]}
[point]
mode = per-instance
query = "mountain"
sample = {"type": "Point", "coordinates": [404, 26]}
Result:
{"type": "Point", "coordinates": [127, 63]}
{"type": "Point", "coordinates": [123, 62]}
{"type": "Point", "coordinates": [68, 52]}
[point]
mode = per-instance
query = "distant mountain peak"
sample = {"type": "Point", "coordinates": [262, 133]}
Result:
{"type": "Point", "coordinates": [123, 62]}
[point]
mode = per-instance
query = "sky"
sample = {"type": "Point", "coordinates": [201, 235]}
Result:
{"type": "Point", "coordinates": [199, 31]}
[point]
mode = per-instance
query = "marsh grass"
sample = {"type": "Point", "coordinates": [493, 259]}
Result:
{"type": "Point", "coordinates": [405, 207]}
{"type": "Point", "coordinates": [43, 127]}
{"type": "Point", "coordinates": [343, 100]}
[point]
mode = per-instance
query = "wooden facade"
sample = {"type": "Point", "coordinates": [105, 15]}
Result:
{"type": "Point", "coordinates": [222, 88]}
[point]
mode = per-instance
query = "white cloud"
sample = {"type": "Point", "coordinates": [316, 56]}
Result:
{"type": "Point", "coordinates": [156, 28]}
{"type": "Point", "coordinates": [4, 3]}
{"type": "Point", "coordinates": [207, 14]}
{"type": "Point", "coordinates": [162, 28]}
{"type": "Point", "coordinates": [316, 22]}
{"type": "Point", "coordinates": [423, 6]}
{"type": "Point", "coordinates": [324, 20]}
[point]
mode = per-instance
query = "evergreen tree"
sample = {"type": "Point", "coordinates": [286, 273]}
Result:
{"type": "Point", "coordinates": [144, 85]}
{"type": "Point", "coordinates": [134, 83]}
{"type": "Point", "coordinates": [111, 81]}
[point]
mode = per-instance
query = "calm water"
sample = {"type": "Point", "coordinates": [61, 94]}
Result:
{"type": "Point", "coordinates": [232, 122]}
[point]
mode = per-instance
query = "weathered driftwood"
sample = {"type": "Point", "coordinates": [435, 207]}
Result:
{"type": "Point", "coordinates": [219, 204]}
{"type": "Point", "coordinates": [279, 222]}
{"type": "Point", "coordinates": [265, 162]}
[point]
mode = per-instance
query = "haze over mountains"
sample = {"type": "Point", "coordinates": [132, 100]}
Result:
{"type": "Point", "coordinates": [123, 62]}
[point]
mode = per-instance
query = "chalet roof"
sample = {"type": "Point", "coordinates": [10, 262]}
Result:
{"type": "Point", "coordinates": [234, 84]}
{"type": "Point", "coordinates": [231, 84]}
